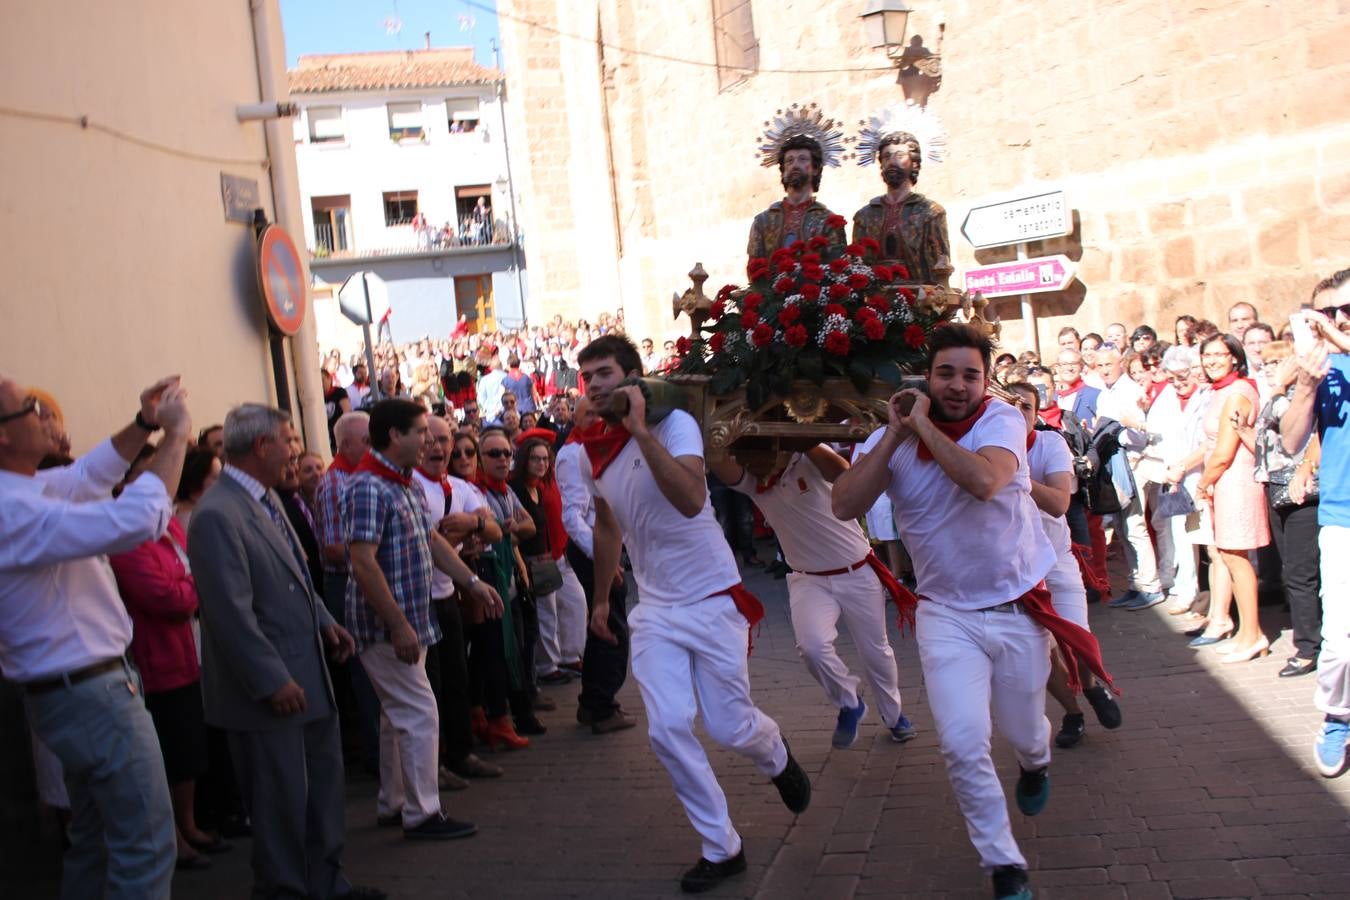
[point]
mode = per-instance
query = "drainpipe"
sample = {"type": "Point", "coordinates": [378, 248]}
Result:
{"type": "Point", "coordinates": [270, 49]}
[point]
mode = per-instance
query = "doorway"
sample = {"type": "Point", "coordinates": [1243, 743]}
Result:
{"type": "Point", "coordinates": [473, 300]}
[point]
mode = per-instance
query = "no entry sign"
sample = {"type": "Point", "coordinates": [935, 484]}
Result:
{"type": "Point", "coordinates": [281, 279]}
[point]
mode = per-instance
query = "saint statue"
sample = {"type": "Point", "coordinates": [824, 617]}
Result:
{"type": "Point", "coordinates": [911, 229]}
{"type": "Point", "coordinates": [801, 142]}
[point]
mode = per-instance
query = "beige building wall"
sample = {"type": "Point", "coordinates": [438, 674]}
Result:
{"type": "Point", "coordinates": [1206, 148]}
{"type": "Point", "coordinates": [119, 263]}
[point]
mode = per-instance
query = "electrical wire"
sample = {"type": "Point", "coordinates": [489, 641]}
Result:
{"type": "Point", "coordinates": [530, 23]}
{"type": "Point", "coordinates": [86, 123]}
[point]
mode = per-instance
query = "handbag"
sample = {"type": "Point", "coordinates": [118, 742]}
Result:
{"type": "Point", "coordinates": [1279, 490]}
{"type": "Point", "coordinates": [1174, 500]}
{"type": "Point", "coordinates": [545, 576]}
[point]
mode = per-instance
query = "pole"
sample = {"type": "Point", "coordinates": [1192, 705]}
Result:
{"type": "Point", "coordinates": [510, 181]}
{"type": "Point", "coordinates": [374, 376]}
{"type": "Point", "coordinates": [1028, 311]}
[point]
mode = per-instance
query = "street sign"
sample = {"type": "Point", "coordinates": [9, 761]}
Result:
{"type": "Point", "coordinates": [240, 198]}
{"type": "Point", "coordinates": [1019, 220]}
{"type": "Point", "coordinates": [363, 298]}
{"type": "Point", "coordinates": [281, 279]}
{"type": "Point", "coordinates": [1040, 275]}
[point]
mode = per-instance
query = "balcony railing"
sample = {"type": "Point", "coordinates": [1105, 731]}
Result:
{"type": "Point", "coordinates": [424, 240]}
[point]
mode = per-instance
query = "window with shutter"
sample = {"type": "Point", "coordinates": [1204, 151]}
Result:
{"type": "Point", "coordinates": [326, 125]}
{"type": "Point", "coordinates": [405, 121]}
{"type": "Point", "coordinates": [734, 40]}
{"type": "Point", "coordinates": [400, 207]}
{"type": "Point", "coordinates": [462, 114]}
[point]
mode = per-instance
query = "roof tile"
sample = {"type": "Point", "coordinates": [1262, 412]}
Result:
{"type": "Point", "coordinates": [388, 70]}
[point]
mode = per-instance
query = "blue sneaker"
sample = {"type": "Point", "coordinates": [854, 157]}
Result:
{"type": "Point", "coordinates": [846, 729]}
{"type": "Point", "coordinates": [1330, 747]}
{"type": "Point", "coordinates": [1127, 597]}
{"type": "Point", "coordinates": [903, 730]}
{"type": "Point", "coordinates": [1145, 600]}
{"type": "Point", "coordinates": [1033, 790]}
{"type": "Point", "coordinates": [1010, 883]}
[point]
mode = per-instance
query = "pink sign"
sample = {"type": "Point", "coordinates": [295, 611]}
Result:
{"type": "Point", "coordinates": [1041, 275]}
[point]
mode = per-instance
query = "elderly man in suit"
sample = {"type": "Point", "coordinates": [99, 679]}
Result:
{"type": "Point", "coordinates": [263, 675]}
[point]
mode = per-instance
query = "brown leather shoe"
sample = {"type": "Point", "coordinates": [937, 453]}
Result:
{"type": "Point", "coordinates": [472, 766]}
{"type": "Point", "coordinates": [449, 781]}
{"type": "Point", "coordinates": [619, 721]}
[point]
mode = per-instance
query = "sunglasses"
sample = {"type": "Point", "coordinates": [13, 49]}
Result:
{"type": "Point", "coordinates": [466, 453]}
{"type": "Point", "coordinates": [498, 454]}
{"type": "Point", "coordinates": [32, 406]}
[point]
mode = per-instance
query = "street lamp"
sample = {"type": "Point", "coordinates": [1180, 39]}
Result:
{"type": "Point", "coordinates": [885, 22]}
{"type": "Point", "coordinates": [920, 69]}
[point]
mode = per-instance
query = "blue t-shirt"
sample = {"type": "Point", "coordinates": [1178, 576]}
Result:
{"type": "Point", "coordinates": [1333, 409]}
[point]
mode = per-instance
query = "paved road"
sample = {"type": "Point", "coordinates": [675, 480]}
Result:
{"type": "Point", "coordinates": [1207, 791]}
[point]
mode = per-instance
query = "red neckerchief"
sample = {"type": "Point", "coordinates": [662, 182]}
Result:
{"type": "Point", "coordinates": [1072, 389]}
{"type": "Point", "coordinates": [1153, 390]}
{"type": "Point", "coordinates": [1185, 398]}
{"type": "Point", "coordinates": [1053, 416]}
{"type": "Point", "coordinates": [496, 485]}
{"type": "Point", "coordinates": [1228, 379]}
{"type": "Point", "coordinates": [1031, 439]}
{"type": "Point", "coordinates": [375, 466]}
{"type": "Point", "coordinates": [954, 430]}
{"type": "Point", "coordinates": [443, 481]}
{"type": "Point", "coordinates": [905, 601]}
{"type": "Point", "coordinates": [602, 442]}
{"type": "Point", "coordinates": [1076, 643]}
{"type": "Point", "coordinates": [767, 486]}
{"type": "Point", "coordinates": [340, 463]}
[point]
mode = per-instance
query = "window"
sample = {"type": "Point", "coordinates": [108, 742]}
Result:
{"type": "Point", "coordinates": [473, 300]}
{"type": "Point", "coordinates": [332, 224]}
{"type": "Point", "coordinates": [473, 206]}
{"type": "Point", "coordinates": [462, 114]}
{"type": "Point", "coordinates": [405, 121]}
{"type": "Point", "coordinates": [734, 41]}
{"type": "Point", "coordinates": [400, 207]}
{"type": "Point", "coordinates": [325, 125]}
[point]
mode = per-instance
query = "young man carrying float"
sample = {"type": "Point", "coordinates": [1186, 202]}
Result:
{"type": "Point", "coordinates": [690, 633]}
{"type": "Point", "coordinates": [955, 467]}
{"type": "Point", "coordinates": [834, 573]}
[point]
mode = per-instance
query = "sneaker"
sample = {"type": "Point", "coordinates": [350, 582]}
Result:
{"type": "Point", "coordinates": [1104, 705]}
{"type": "Point", "coordinates": [441, 828]}
{"type": "Point", "coordinates": [793, 785]}
{"type": "Point", "coordinates": [615, 721]}
{"type": "Point", "coordinates": [1145, 600]}
{"type": "Point", "coordinates": [1010, 883]}
{"type": "Point", "coordinates": [903, 730]}
{"type": "Point", "coordinates": [1033, 790]}
{"type": "Point", "coordinates": [1330, 746]}
{"type": "Point", "coordinates": [449, 781]}
{"type": "Point", "coordinates": [846, 727]}
{"type": "Point", "coordinates": [1071, 731]}
{"type": "Point", "coordinates": [1127, 597]}
{"type": "Point", "coordinates": [706, 875]}
{"type": "Point", "coordinates": [471, 766]}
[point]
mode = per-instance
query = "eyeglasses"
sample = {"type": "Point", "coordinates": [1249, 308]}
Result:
{"type": "Point", "coordinates": [466, 453]}
{"type": "Point", "coordinates": [498, 454]}
{"type": "Point", "coordinates": [31, 406]}
{"type": "Point", "coordinates": [1214, 357]}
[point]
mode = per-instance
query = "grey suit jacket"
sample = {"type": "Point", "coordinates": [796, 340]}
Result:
{"type": "Point", "coordinates": [261, 620]}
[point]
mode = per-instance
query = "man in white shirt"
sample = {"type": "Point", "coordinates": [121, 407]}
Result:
{"type": "Point", "coordinates": [690, 633]}
{"type": "Point", "coordinates": [956, 470]}
{"type": "Point", "coordinates": [65, 632]}
{"type": "Point", "coordinates": [834, 574]}
{"type": "Point", "coordinates": [490, 389]}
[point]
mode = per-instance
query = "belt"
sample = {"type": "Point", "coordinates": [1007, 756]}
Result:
{"type": "Point", "coordinates": [70, 679]}
{"type": "Point", "coordinates": [1010, 606]}
{"type": "Point", "coordinates": [844, 571]}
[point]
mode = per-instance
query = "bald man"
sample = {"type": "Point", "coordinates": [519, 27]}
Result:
{"type": "Point", "coordinates": [1074, 394]}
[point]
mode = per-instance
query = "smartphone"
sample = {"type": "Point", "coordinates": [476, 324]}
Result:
{"type": "Point", "coordinates": [1303, 333]}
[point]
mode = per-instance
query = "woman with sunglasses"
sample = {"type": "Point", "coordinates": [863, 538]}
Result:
{"type": "Point", "coordinates": [1238, 502]}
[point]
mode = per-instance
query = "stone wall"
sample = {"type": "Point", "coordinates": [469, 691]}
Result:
{"type": "Point", "coordinates": [1205, 147]}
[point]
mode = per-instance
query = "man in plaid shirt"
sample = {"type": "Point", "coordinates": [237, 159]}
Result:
{"type": "Point", "coordinates": [391, 553]}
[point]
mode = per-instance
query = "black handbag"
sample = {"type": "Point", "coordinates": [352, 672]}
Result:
{"type": "Point", "coordinates": [1279, 490]}
{"type": "Point", "coordinates": [1174, 500]}
{"type": "Point", "coordinates": [545, 576]}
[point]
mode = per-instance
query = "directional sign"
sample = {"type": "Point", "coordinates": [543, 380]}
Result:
{"type": "Point", "coordinates": [1025, 276]}
{"type": "Point", "coordinates": [1019, 220]}
{"type": "Point", "coordinates": [363, 298]}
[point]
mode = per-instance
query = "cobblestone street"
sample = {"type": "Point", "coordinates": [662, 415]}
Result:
{"type": "Point", "coordinates": [1207, 791]}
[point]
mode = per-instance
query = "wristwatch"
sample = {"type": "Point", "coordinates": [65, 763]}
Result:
{"type": "Point", "coordinates": [473, 579]}
{"type": "Point", "coordinates": [142, 424]}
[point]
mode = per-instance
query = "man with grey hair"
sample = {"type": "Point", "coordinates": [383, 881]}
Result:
{"type": "Point", "coordinates": [1175, 432]}
{"type": "Point", "coordinates": [264, 631]}
{"type": "Point", "coordinates": [1072, 393]}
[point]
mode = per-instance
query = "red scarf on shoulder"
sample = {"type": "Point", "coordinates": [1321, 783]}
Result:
{"type": "Point", "coordinates": [954, 430]}
{"type": "Point", "coordinates": [1070, 390]}
{"type": "Point", "coordinates": [372, 464]}
{"type": "Point", "coordinates": [1228, 379]}
{"type": "Point", "coordinates": [340, 463]}
{"type": "Point", "coordinates": [602, 443]}
{"type": "Point", "coordinates": [443, 481]}
{"type": "Point", "coordinates": [1053, 416]}
{"type": "Point", "coordinates": [487, 482]}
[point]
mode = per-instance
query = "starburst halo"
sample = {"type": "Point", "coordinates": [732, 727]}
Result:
{"type": "Point", "coordinates": [805, 120]}
{"type": "Point", "coordinates": [916, 120]}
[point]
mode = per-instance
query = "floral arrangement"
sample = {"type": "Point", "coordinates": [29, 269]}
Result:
{"type": "Point", "coordinates": [810, 312]}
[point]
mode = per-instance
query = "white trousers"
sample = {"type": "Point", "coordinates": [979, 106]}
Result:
{"type": "Point", "coordinates": [975, 662]}
{"type": "Point", "coordinates": [817, 602]}
{"type": "Point", "coordinates": [1178, 557]}
{"type": "Point", "coordinates": [572, 615]}
{"type": "Point", "coordinates": [1333, 662]}
{"type": "Point", "coordinates": [409, 735]}
{"type": "Point", "coordinates": [1138, 546]}
{"type": "Point", "coordinates": [1067, 593]}
{"type": "Point", "coordinates": [690, 659]}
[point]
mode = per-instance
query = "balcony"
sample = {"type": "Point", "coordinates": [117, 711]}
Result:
{"type": "Point", "coordinates": [404, 241]}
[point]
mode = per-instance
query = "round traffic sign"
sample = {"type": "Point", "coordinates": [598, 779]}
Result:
{"type": "Point", "coordinates": [281, 278]}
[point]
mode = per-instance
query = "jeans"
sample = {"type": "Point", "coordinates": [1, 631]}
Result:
{"type": "Point", "coordinates": [448, 672]}
{"type": "Point", "coordinates": [604, 666]}
{"type": "Point", "coordinates": [1133, 530]}
{"type": "Point", "coordinates": [122, 841]}
{"type": "Point", "coordinates": [736, 513]}
{"type": "Point", "coordinates": [1295, 532]}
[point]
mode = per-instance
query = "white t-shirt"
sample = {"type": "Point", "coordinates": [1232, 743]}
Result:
{"type": "Point", "coordinates": [1121, 402]}
{"type": "Point", "coordinates": [797, 507]}
{"type": "Point", "coordinates": [464, 497]}
{"type": "Point", "coordinates": [1049, 456]}
{"type": "Point", "coordinates": [970, 554]}
{"type": "Point", "coordinates": [578, 508]}
{"type": "Point", "coordinates": [675, 560]}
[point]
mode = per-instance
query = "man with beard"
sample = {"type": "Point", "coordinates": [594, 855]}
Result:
{"type": "Point", "coordinates": [801, 143]}
{"type": "Point", "coordinates": [910, 229]}
{"type": "Point", "coordinates": [955, 468]}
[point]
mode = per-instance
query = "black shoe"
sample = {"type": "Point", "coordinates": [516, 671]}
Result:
{"type": "Point", "coordinates": [473, 767]}
{"type": "Point", "coordinates": [793, 785]}
{"type": "Point", "coordinates": [585, 716]}
{"type": "Point", "coordinates": [195, 862]}
{"type": "Point", "coordinates": [1033, 790]}
{"type": "Point", "coordinates": [1296, 666]}
{"type": "Point", "coordinates": [557, 676]}
{"type": "Point", "coordinates": [1104, 705]}
{"type": "Point", "coordinates": [216, 844]}
{"type": "Point", "coordinates": [705, 875]}
{"type": "Point", "coordinates": [530, 725]}
{"type": "Point", "coordinates": [441, 828]}
{"type": "Point", "coordinates": [360, 892]}
{"type": "Point", "coordinates": [1070, 731]}
{"type": "Point", "coordinates": [1010, 883]}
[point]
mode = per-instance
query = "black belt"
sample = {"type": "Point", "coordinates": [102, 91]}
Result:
{"type": "Point", "coordinates": [70, 679]}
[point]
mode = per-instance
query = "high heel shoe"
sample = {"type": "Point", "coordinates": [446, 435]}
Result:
{"type": "Point", "coordinates": [478, 724]}
{"type": "Point", "coordinates": [1259, 649]}
{"type": "Point", "coordinates": [1209, 637]}
{"type": "Point", "coordinates": [501, 735]}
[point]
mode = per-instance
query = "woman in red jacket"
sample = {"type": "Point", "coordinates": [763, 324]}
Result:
{"type": "Point", "coordinates": [157, 588]}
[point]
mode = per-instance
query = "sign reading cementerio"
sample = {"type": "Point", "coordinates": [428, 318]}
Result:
{"type": "Point", "coordinates": [1019, 220]}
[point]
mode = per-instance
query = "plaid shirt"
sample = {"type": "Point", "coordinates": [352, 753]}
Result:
{"type": "Point", "coordinates": [330, 529]}
{"type": "Point", "coordinates": [378, 511]}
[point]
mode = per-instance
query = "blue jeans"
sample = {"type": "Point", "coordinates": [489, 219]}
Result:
{"type": "Point", "coordinates": [122, 842]}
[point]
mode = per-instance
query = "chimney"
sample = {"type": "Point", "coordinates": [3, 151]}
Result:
{"type": "Point", "coordinates": [428, 46]}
